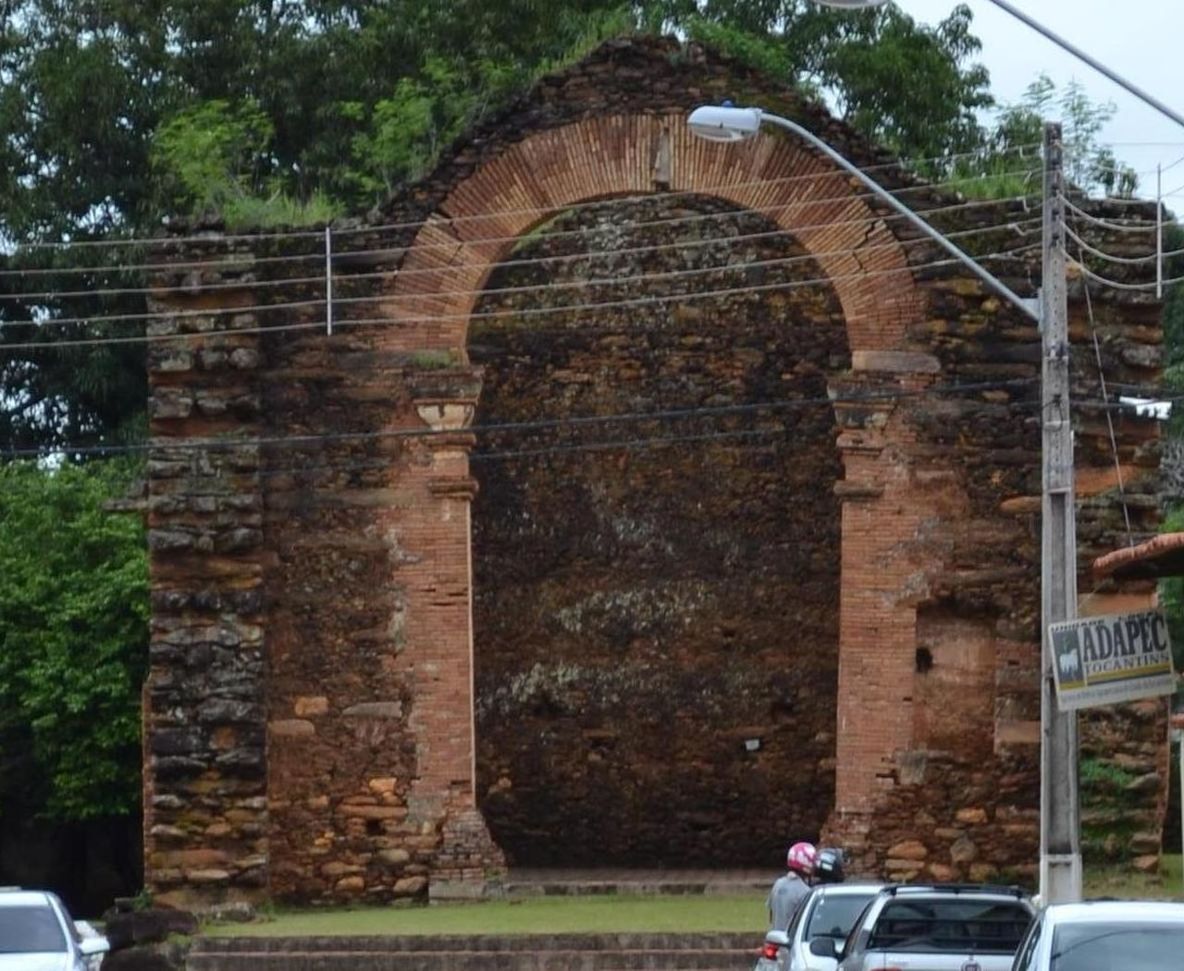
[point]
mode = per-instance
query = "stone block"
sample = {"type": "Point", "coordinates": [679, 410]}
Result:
{"type": "Point", "coordinates": [229, 711]}
{"type": "Point", "coordinates": [895, 362]}
{"type": "Point", "coordinates": [909, 850]}
{"type": "Point", "coordinates": [963, 851]}
{"type": "Point", "coordinates": [375, 709]}
{"type": "Point", "coordinates": [291, 728]}
{"type": "Point", "coordinates": [310, 705]}
{"type": "Point", "coordinates": [1144, 843]}
{"type": "Point", "coordinates": [394, 857]}
{"type": "Point", "coordinates": [410, 886]}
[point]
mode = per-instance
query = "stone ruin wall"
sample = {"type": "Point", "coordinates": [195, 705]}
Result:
{"type": "Point", "coordinates": [657, 627]}
{"type": "Point", "coordinates": [957, 808]}
{"type": "Point", "coordinates": [304, 743]}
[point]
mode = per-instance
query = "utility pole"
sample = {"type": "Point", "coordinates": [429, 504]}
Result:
{"type": "Point", "coordinates": [1060, 841]}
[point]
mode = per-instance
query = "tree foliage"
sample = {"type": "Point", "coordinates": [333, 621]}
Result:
{"type": "Point", "coordinates": [1005, 162]}
{"type": "Point", "coordinates": [115, 111]}
{"type": "Point", "coordinates": [73, 641]}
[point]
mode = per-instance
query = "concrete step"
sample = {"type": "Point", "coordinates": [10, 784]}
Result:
{"type": "Point", "coordinates": [536, 952]}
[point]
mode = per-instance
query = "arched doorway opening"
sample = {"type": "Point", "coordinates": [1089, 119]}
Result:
{"type": "Point", "coordinates": [488, 210]}
{"type": "Point", "coordinates": [656, 600]}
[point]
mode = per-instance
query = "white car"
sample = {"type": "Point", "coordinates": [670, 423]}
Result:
{"type": "Point", "coordinates": [37, 934]}
{"type": "Point", "coordinates": [1104, 935]}
{"type": "Point", "coordinates": [935, 927]}
{"type": "Point", "coordinates": [828, 910]}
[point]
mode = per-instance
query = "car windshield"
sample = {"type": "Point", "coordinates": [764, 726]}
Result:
{"type": "Point", "coordinates": [1102, 946]}
{"type": "Point", "coordinates": [30, 930]}
{"type": "Point", "coordinates": [954, 924]}
{"type": "Point", "coordinates": [834, 915]}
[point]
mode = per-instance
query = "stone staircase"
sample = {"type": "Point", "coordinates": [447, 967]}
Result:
{"type": "Point", "coordinates": [534, 952]}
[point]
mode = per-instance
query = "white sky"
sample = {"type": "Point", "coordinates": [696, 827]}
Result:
{"type": "Point", "coordinates": [1141, 40]}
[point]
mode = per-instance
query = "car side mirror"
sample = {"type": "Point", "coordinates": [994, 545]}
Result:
{"type": "Point", "coordinates": [91, 946]}
{"type": "Point", "coordinates": [779, 938]}
{"type": "Point", "coordinates": [824, 947]}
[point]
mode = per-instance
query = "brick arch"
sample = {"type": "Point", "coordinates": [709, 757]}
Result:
{"type": "Point", "coordinates": [599, 157]}
{"type": "Point", "coordinates": [436, 289]}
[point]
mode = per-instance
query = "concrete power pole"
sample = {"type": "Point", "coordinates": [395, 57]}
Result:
{"type": "Point", "coordinates": [1060, 848]}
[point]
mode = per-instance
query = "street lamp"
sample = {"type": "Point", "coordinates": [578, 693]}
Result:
{"type": "Point", "coordinates": [1060, 855]}
{"type": "Point", "coordinates": [1052, 36]}
{"type": "Point", "coordinates": [725, 123]}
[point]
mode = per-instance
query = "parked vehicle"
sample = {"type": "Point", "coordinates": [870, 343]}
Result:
{"type": "Point", "coordinates": [940, 927]}
{"type": "Point", "coordinates": [1104, 935]}
{"type": "Point", "coordinates": [37, 934]}
{"type": "Point", "coordinates": [829, 910]}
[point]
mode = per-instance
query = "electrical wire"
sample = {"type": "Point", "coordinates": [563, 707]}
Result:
{"type": "Point", "coordinates": [901, 165]}
{"type": "Point", "coordinates": [530, 288]}
{"type": "Point", "coordinates": [396, 251]}
{"type": "Point", "coordinates": [482, 315]}
{"type": "Point", "coordinates": [1093, 328]}
{"type": "Point", "coordinates": [1119, 285]}
{"type": "Point", "coordinates": [1116, 227]}
{"type": "Point", "coordinates": [1084, 247]}
{"type": "Point", "coordinates": [1018, 226]}
{"type": "Point", "coordinates": [456, 243]}
{"type": "Point", "coordinates": [164, 448]}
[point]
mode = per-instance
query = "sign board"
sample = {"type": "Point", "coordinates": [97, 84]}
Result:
{"type": "Point", "coordinates": [1119, 657]}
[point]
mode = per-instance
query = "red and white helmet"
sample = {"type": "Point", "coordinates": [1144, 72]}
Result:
{"type": "Point", "coordinates": [801, 858]}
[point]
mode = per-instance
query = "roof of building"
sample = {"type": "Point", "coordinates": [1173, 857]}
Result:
{"type": "Point", "coordinates": [1162, 556]}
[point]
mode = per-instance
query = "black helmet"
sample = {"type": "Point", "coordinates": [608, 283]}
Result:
{"type": "Point", "coordinates": [828, 868]}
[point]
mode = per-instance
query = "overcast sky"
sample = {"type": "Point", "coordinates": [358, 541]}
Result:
{"type": "Point", "coordinates": [1142, 40]}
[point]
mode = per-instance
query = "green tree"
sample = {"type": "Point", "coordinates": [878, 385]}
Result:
{"type": "Point", "coordinates": [912, 88]}
{"type": "Point", "coordinates": [1007, 161]}
{"type": "Point", "coordinates": [83, 394]}
{"type": "Point", "coordinates": [215, 158]}
{"type": "Point", "coordinates": [73, 641]}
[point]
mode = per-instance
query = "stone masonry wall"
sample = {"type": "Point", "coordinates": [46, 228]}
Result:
{"type": "Point", "coordinates": [645, 615]}
{"type": "Point", "coordinates": [205, 799]}
{"type": "Point", "coordinates": [964, 801]}
{"type": "Point", "coordinates": [325, 635]}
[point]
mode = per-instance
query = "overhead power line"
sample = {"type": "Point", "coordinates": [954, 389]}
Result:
{"type": "Point", "coordinates": [1114, 225]}
{"type": "Point", "coordinates": [1017, 227]}
{"type": "Point", "coordinates": [572, 421]}
{"type": "Point", "coordinates": [590, 307]}
{"type": "Point", "coordinates": [1120, 285]}
{"type": "Point", "coordinates": [513, 263]}
{"type": "Point", "coordinates": [902, 166]}
{"type": "Point", "coordinates": [1083, 246]}
{"type": "Point", "coordinates": [250, 261]}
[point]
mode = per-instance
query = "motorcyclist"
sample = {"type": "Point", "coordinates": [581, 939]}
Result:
{"type": "Point", "coordinates": [828, 865]}
{"type": "Point", "coordinates": [789, 890]}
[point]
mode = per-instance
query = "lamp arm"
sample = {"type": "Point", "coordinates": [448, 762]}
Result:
{"type": "Point", "coordinates": [1029, 307]}
{"type": "Point", "coordinates": [1091, 61]}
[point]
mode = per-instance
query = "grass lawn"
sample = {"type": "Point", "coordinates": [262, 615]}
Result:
{"type": "Point", "coordinates": [1168, 884]}
{"type": "Point", "coordinates": [615, 912]}
{"type": "Point", "coordinates": [535, 915]}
